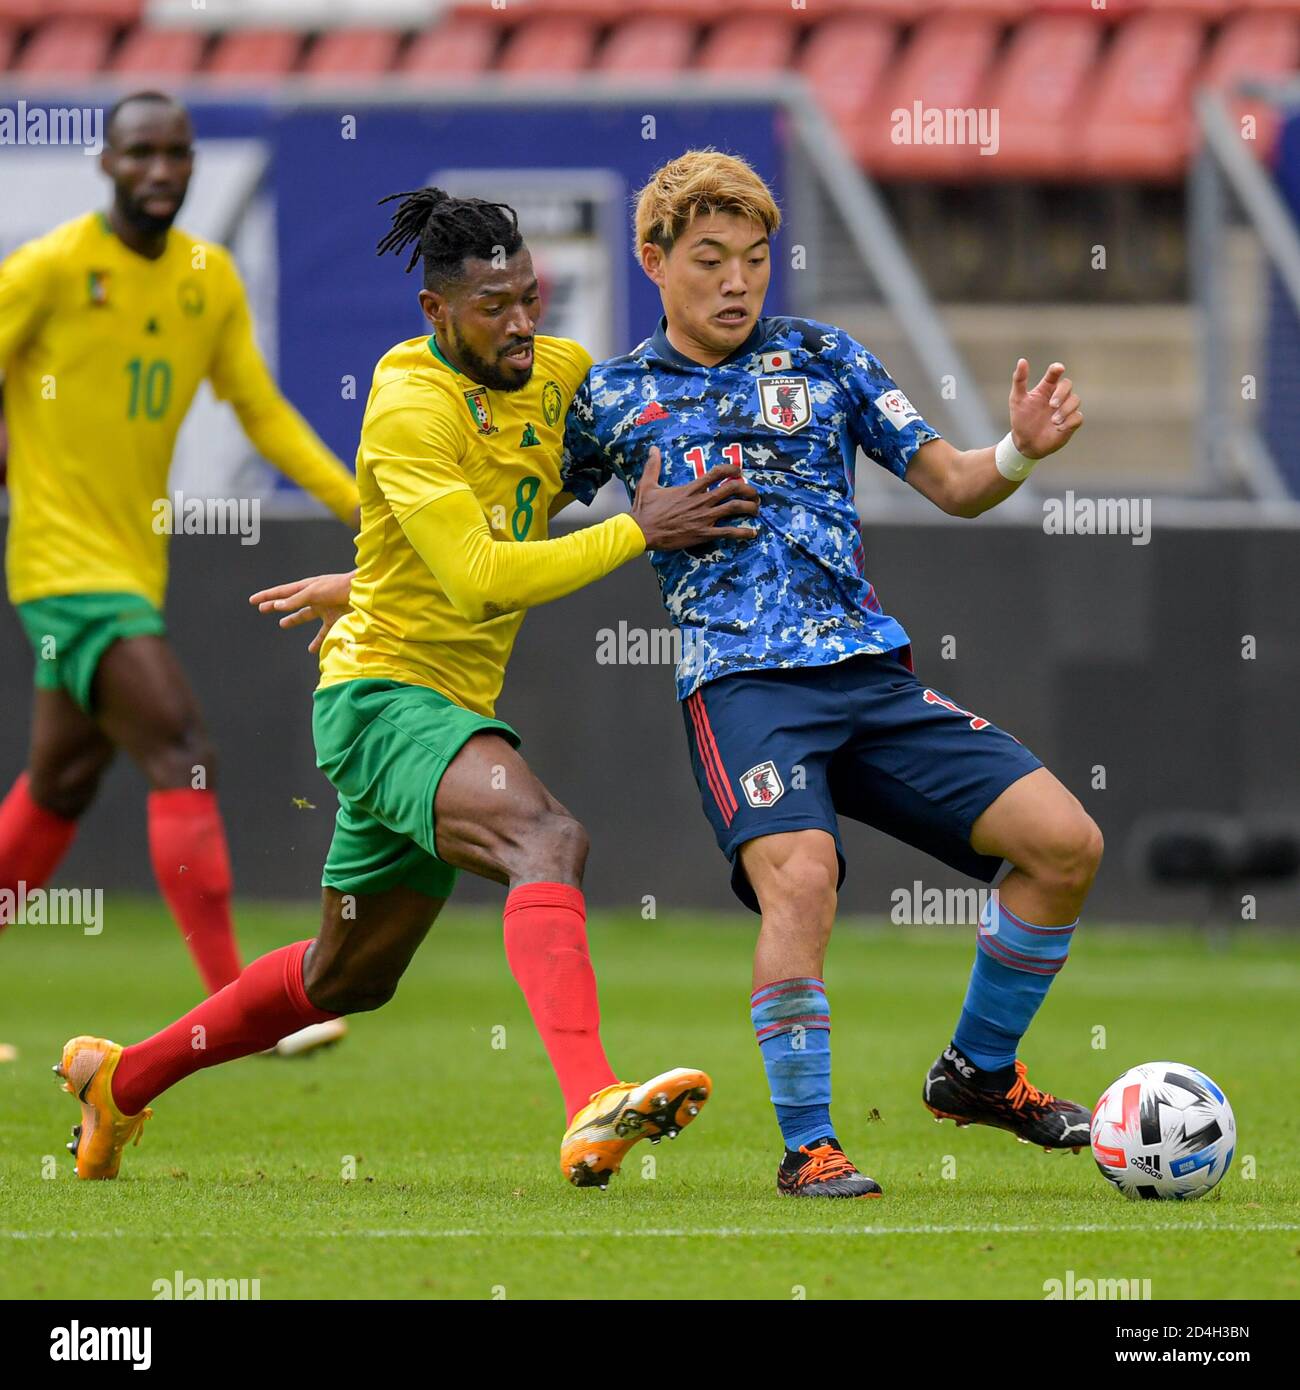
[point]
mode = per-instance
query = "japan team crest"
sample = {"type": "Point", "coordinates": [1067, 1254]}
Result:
{"type": "Point", "coordinates": [762, 785]}
{"type": "Point", "coordinates": [784, 403]}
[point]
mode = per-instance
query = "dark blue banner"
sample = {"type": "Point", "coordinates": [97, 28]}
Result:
{"type": "Point", "coordinates": [1279, 399]}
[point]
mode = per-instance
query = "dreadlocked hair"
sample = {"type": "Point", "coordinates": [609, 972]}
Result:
{"type": "Point", "coordinates": [446, 231]}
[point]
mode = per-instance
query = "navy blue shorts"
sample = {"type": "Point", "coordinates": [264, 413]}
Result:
{"type": "Point", "coordinates": [795, 749]}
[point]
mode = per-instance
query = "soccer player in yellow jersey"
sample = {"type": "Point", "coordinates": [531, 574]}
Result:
{"type": "Point", "coordinates": [459, 475]}
{"type": "Point", "coordinates": [107, 326]}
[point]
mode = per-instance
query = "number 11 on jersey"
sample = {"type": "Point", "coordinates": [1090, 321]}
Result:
{"type": "Point", "coordinates": [733, 454]}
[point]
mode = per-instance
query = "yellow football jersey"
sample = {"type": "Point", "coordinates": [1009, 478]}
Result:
{"type": "Point", "coordinates": [428, 431]}
{"type": "Point", "coordinates": [102, 351]}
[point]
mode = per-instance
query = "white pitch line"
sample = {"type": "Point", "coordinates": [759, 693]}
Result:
{"type": "Point", "coordinates": [660, 1233]}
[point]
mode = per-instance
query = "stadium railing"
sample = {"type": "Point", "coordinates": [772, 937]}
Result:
{"type": "Point", "coordinates": [1229, 187]}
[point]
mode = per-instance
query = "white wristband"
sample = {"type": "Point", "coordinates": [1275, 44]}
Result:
{"type": "Point", "coordinates": [1011, 463]}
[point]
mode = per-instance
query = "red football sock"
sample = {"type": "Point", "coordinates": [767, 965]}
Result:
{"type": "Point", "coordinates": [32, 839]}
{"type": "Point", "coordinates": [187, 842]}
{"type": "Point", "coordinates": [546, 945]}
{"type": "Point", "coordinates": [266, 1003]}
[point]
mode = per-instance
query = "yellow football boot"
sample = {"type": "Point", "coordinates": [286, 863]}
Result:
{"type": "Point", "coordinates": [97, 1142]}
{"type": "Point", "coordinates": [602, 1132]}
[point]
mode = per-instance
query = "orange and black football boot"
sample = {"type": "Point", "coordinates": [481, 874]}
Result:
{"type": "Point", "coordinates": [822, 1169]}
{"type": "Point", "coordinates": [602, 1132]}
{"type": "Point", "coordinates": [956, 1089]}
{"type": "Point", "coordinates": [87, 1068]}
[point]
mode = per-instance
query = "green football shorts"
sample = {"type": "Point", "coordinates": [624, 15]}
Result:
{"type": "Point", "coordinates": [71, 632]}
{"type": "Point", "coordinates": [385, 745]}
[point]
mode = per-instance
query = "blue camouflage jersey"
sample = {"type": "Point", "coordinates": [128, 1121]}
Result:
{"type": "Point", "coordinates": [792, 404]}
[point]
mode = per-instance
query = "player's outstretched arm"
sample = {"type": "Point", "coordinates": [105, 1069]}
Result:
{"type": "Point", "coordinates": [325, 597]}
{"type": "Point", "coordinates": [968, 482]}
{"type": "Point", "coordinates": [484, 577]}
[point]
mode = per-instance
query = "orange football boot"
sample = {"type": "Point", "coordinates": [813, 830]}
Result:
{"type": "Point", "coordinates": [602, 1132]}
{"type": "Point", "coordinates": [97, 1142]}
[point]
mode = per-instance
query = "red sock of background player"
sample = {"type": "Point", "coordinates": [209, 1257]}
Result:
{"type": "Point", "coordinates": [187, 842]}
{"type": "Point", "coordinates": [266, 1003]}
{"type": "Point", "coordinates": [32, 840]}
{"type": "Point", "coordinates": [546, 945]}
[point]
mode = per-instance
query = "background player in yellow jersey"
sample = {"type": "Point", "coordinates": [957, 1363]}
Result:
{"type": "Point", "coordinates": [107, 326]}
{"type": "Point", "coordinates": [458, 464]}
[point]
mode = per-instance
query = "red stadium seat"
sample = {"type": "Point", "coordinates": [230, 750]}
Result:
{"type": "Point", "coordinates": [1114, 12]}
{"type": "Point", "coordinates": [704, 12]}
{"type": "Point", "coordinates": [903, 11]}
{"type": "Point", "coordinates": [116, 11]}
{"type": "Point", "coordinates": [1037, 91]}
{"type": "Point", "coordinates": [353, 53]}
{"type": "Point", "coordinates": [1139, 125]}
{"type": "Point", "coordinates": [1209, 10]}
{"type": "Point", "coordinates": [544, 47]}
{"type": "Point", "coordinates": [167, 52]}
{"type": "Point", "coordinates": [8, 42]}
{"type": "Point", "coordinates": [458, 50]}
{"type": "Point", "coordinates": [24, 11]}
{"type": "Point", "coordinates": [1255, 44]}
{"type": "Point", "coordinates": [844, 62]}
{"type": "Point", "coordinates": [594, 11]}
{"type": "Point", "coordinates": [748, 44]}
{"type": "Point", "coordinates": [944, 67]}
{"type": "Point", "coordinates": [253, 55]}
{"type": "Point", "coordinates": [67, 48]}
{"type": "Point", "coordinates": [1004, 11]}
{"type": "Point", "coordinates": [648, 46]}
{"type": "Point", "coordinates": [811, 13]}
{"type": "Point", "coordinates": [500, 16]}
{"type": "Point", "coordinates": [658, 10]}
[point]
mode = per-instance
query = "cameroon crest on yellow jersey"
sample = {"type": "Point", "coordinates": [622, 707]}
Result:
{"type": "Point", "coordinates": [480, 408]}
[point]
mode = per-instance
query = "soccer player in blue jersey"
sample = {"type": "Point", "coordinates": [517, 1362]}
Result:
{"type": "Point", "coordinates": [797, 688]}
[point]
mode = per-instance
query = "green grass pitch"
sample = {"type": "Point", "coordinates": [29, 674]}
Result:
{"type": "Point", "coordinates": [457, 1192]}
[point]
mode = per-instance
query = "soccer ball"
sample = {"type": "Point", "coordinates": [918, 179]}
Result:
{"type": "Point", "coordinates": [1163, 1130]}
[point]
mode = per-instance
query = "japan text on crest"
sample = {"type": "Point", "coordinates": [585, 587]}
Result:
{"type": "Point", "coordinates": [784, 402]}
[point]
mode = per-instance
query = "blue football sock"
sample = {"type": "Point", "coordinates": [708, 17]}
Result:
{"type": "Point", "coordinates": [1014, 965]}
{"type": "Point", "coordinates": [792, 1022]}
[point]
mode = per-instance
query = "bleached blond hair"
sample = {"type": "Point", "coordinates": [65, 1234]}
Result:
{"type": "Point", "coordinates": [695, 184]}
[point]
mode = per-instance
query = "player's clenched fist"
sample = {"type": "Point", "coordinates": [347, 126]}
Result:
{"type": "Point", "coordinates": [1043, 420]}
{"type": "Point", "coordinates": [677, 518]}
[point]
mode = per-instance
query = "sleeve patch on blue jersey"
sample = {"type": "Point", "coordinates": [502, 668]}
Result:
{"type": "Point", "coordinates": [897, 409]}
